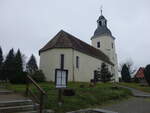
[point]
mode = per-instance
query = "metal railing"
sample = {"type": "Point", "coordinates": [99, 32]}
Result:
{"type": "Point", "coordinates": [39, 100]}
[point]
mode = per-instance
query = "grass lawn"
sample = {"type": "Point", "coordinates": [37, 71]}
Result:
{"type": "Point", "coordinates": [85, 97]}
{"type": "Point", "coordinates": [137, 86]}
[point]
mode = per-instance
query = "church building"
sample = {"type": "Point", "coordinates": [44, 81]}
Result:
{"type": "Point", "coordinates": [78, 57]}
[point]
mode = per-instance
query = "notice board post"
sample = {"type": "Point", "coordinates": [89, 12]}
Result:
{"type": "Point", "coordinates": [61, 79]}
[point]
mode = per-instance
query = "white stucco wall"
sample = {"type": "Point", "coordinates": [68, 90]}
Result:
{"type": "Point", "coordinates": [50, 59]}
{"type": "Point", "coordinates": [106, 47]}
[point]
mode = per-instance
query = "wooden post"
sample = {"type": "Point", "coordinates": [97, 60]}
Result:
{"type": "Point", "coordinates": [27, 87]}
{"type": "Point", "coordinates": [95, 77]}
{"type": "Point", "coordinates": [59, 96]}
{"type": "Point", "coordinates": [41, 103]}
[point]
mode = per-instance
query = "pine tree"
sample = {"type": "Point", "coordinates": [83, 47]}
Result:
{"type": "Point", "coordinates": [19, 75]}
{"type": "Point", "coordinates": [1, 63]}
{"type": "Point", "coordinates": [147, 74]}
{"type": "Point", "coordinates": [105, 74]}
{"type": "Point", "coordinates": [8, 68]}
{"type": "Point", "coordinates": [32, 65]}
{"type": "Point", "coordinates": [18, 62]}
{"type": "Point", "coordinates": [125, 73]}
{"type": "Point", "coordinates": [1, 56]}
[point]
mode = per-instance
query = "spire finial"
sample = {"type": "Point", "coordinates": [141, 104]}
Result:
{"type": "Point", "coordinates": [101, 10]}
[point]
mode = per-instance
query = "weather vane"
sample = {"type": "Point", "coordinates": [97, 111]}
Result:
{"type": "Point", "coordinates": [101, 9]}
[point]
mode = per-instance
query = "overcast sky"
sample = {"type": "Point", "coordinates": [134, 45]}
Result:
{"type": "Point", "coordinates": [30, 24]}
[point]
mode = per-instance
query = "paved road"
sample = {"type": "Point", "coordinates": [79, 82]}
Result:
{"type": "Point", "coordinates": [137, 93]}
{"type": "Point", "coordinates": [140, 103]}
{"type": "Point", "coordinates": [133, 105]}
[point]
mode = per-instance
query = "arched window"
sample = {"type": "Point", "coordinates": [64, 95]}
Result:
{"type": "Point", "coordinates": [77, 61]}
{"type": "Point", "coordinates": [62, 61]}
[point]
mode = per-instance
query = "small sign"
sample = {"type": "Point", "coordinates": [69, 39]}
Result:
{"type": "Point", "coordinates": [61, 76]}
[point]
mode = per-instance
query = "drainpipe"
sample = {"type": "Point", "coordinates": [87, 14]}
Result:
{"type": "Point", "coordinates": [73, 78]}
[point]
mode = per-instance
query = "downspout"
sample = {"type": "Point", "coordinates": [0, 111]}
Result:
{"type": "Point", "coordinates": [73, 78]}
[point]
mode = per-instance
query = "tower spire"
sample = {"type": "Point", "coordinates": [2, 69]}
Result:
{"type": "Point", "coordinates": [101, 8]}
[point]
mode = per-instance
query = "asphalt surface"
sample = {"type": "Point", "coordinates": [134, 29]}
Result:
{"type": "Point", "coordinates": [140, 103]}
{"type": "Point", "coordinates": [133, 105]}
{"type": "Point", "coordinates": [137, 93]}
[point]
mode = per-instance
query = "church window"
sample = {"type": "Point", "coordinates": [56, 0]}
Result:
{"type": "Point", "coordinates": [98, 45]}
{"type": "Point", "coordinates": [62, 61]}
{"type": "Point", "coordinates": [112, 45]}
{"type": "Point", "coordinates": [77, 61]}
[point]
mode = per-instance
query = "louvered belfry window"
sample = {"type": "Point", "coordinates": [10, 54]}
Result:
{"type": "Point", "coordinates": [98, 45]}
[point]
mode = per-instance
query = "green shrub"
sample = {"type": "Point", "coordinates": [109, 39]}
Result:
{"type": "Point", "coordinates": [125, 73]}
{"type": "Point", "coordinates": [38, 76]}
{"type": "Point", "coordinates": [105, 74]}
{"type": "Point", "coordinates": [19, 78]}
{"type": "Point", "coordinates": [147, 74]}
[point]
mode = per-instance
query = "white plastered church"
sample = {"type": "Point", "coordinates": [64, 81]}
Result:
{"type": "Point", "coordinates": [78, 57]}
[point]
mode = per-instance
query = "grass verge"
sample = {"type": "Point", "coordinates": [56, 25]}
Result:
{"type": "Point", "coordinates": [86, 97]}
{"type": "Point", "coordinates": [136, 86]}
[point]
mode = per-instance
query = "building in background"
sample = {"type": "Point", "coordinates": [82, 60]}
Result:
{"type": "Point", "coordinates": [139, 76]}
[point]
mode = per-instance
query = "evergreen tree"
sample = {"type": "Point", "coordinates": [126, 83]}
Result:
{"type": "Point", "coordinates": [18, 69]}
{"type": "Point", "coordinates": [18, 62]}
{"type": "Point", "coordinates": [8, 68]}
{"type": "Point", "coordinates": [32, 65]}
{"type": "Point", "coordinates": [38, 76]}
{"type": "Point", "coordinates": [125, 73]}
{"type": "Point", "coordinates": [1, 63]}
{"type": "Point", "coordinates": [105, 74]}
{"type": "Point", "coordinates": [1, 56]}
{"type": "Point", "coordinates": [147, 74]}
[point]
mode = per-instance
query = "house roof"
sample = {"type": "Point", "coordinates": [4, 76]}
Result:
{"type": "Point", "coordinates": [140, 73]}
{"type": "Point", "coordinates": [66, 40]}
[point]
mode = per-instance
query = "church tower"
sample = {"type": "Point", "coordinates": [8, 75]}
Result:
{"type": "Point", "coordinates": [103, 40]}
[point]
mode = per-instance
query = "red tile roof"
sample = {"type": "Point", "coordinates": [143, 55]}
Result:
{"type": "Point", "coordinates": [140, 73]}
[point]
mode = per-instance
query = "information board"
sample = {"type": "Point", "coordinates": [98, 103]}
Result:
{"type": "Point", "coordinates": [61, 78]}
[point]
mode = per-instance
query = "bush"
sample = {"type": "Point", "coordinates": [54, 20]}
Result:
{"type": "Point", "coordinates": [19, 78]}
{"type": "Point", "coordinates": [147, 74]}
{"type": "Point", "coordinates": [125, 73]}
{"type": "Point", "coordinates": [68, 92]}
{"type": "Point", "coordinates": [105, 74]}
{"type": "Point", "coordinates": [136, 80]}
{"type": "Point", "coordinates": [38, 76]}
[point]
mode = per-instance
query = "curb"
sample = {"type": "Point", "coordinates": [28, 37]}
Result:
{"type": "Point", "coordinates": [90, 110]}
